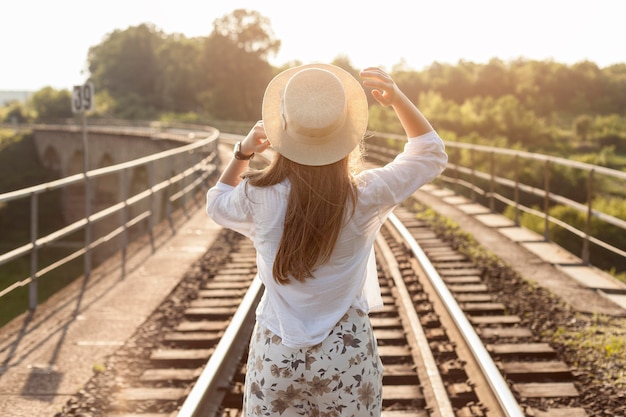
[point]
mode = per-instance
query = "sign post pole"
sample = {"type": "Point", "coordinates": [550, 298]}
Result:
{"type": "Point", "coordinates": [83, 101]}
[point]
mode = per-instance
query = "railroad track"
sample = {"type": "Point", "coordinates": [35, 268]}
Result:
{"type": "Point", "coordinates": [448, 347]}
{"type": "Point", "coordinates": [539, 381]}
{"type": "Point", "coordinates": [211, 326]}
{"type": "Point", "coordinates": [430, 368]}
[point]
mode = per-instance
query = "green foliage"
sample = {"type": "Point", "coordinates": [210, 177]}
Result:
{"type": "Point", "coordinates": [543, 86]}
{"type": "Point", "coordinates": [125, 64]}
{"type": "Point", "coordinates": [234, 87]}
{"type": "Point", "coordinates": [50, 104]}
{"type": "Point", "coordinates": [179, 74]}
{"type": "Point", "coordinates": [105, 105]}
{"type": "Point", "coordinates": [14, 112]}
{"type": "Point", "coordinates": [146, 72]}
{"type": "Point", "coordinates": [543, 106]}
{"type": "Point", "coordinates": [610, 130]}
{"type": "Point", "coordinates": [487, 117]}
{"type": "Point", "coordinates": [188, 117]}
{"type": "Point", "coordinates": [582, 126]}
{"type": "Point", "coordinates": [605, 156]}
{"type": "Point", "coordinates": [383, 119]}
{"type": "Point", "coordinates": [597, 337]}
{"type": "Point", "coordinates": [249, 31]}
{"type": "Point", "coordinates": [8, 138]}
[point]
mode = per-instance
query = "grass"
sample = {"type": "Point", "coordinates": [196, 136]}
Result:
{"type": "Point", "coordinates": [599, 347]}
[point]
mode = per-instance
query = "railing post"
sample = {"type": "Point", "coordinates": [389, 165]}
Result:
{"type": "Point", "coordinates": [124, 217]}
{"type": "Point", "coordinates": [87, 198]}
{"type": "Point", "coordinates": [183, 185]}
{"type": "Point", "coordinates": [151, 204]}
{"type": "Point", "coordinates": [197, 157]}
{"type": "Point", "coordinates": [88, 236]}
{"type": "Point", "coordinates": [516, 191]}
{"type": "Point", "coordinates": [473, 193]}
{"type": "Point", "coordinates": [492, 186]}
{"type": "Point", "coordinates": [585, 253]}
{"type": "Point", "coordinates": [168, 194]}
{"type": "Point", "coordinates": [457, 164]}
{"type": "Point", "coordinates": [34, 261]}
{"type": "Point", "coordinates": [546, 200]}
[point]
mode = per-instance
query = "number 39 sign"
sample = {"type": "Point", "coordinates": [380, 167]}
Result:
{"type": "Point", "coordinates": [82, 97]}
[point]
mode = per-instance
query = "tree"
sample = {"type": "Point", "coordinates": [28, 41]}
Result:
{"type": "Point", "coordinates": [236, 71]}
{"type": "Point", "coordinates": [49, 103]}
{"type": "Point", "coordinates": [14, 112]}
{"type": "Point", "coordinates": [493, 79]}
{"type": "Point", "coordinates": [233, 84]}
{"type": "Point", "coordinates": [615, 76]}
{"type": "Point", "coordinates": [249, 31]}
{"type": "Point", "coordinates": [179, 73]}
{"type": "Point", "coordinates": [126, 65]}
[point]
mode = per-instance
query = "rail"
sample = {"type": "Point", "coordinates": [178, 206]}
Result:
{"type": "Point", "coordinates": [214, 379]}
{"type": "Point", "coordinates": [190, 164]}
{"type": "Point", "coordinates": [529, 182]}
{"type": "Point", "coordinates": [502, 394]}
{"type": "Point", "coordinates": [201, 401]}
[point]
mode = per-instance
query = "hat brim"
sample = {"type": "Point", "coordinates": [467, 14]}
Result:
{"type": "Point", "coordinates": [343, 140]}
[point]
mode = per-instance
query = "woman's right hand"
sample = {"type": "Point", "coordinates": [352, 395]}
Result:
{"type": "Point", "coordinates": [256, 140]}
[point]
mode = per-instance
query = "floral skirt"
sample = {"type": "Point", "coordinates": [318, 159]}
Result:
{"type": "Point", "coordinates": [341, 376]}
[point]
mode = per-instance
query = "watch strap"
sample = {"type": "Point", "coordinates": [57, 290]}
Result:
{"type": "Point", "coordinates": [240, 156]}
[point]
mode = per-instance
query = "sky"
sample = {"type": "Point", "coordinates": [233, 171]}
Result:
{"type": "Point", "coordinates": [45, 43]}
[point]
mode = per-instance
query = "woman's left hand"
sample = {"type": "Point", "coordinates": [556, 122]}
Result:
{"type": "Point", "coordinates": [384, 89]}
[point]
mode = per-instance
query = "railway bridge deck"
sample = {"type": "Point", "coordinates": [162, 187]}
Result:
{"type": "Point", "coordinates": [47, 356]}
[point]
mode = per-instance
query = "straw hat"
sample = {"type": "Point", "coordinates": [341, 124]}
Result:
{"type": "Point", "coordinates": [314, 114]}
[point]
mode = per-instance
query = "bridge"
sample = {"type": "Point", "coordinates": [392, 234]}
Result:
{"type": "Point", "coordinates": [157, 197]}
{"type": "Point", "coordinates": [133, 179]}
{"type": "Point", "coordinates": [61, 149]}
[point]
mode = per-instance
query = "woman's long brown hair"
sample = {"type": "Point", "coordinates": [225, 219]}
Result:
{"type": "Point", "coordinates": [316, 212]}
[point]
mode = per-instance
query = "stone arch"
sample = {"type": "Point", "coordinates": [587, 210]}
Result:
{"type": "Point", "coordinates": [106, 187]}
{"type": "Point", "coordinates": [75, 163]}
{"type": "Point", "coordinates": [51, 160]}
{"type": "Point", "coordinates": [138, 184]}
{"type": "Point", "coordinates": [105, 194]}
{"type": "Point", "coordinates": [74, 195]}
{"type": "Point", "coordinates": [169, 191]}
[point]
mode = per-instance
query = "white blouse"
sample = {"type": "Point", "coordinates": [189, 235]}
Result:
{"type": "Point", "coordinates": [304, 313]}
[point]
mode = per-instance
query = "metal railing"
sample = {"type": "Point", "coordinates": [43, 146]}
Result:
{"type": "Point", "coordinates": [493, 174]}
{"type": "Point", "coordinates": [525, 182]}
{"type": "Point", "coordinates": [190, 165]}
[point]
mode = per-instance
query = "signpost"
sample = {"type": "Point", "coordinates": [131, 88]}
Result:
{"type": "Point", "coordinates": [82, 98]}
{"type": "Point", "coordinates": [82, 102]}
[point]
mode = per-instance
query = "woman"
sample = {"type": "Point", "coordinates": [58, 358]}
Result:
{"type": "Point", "coordinates": [313, 222]}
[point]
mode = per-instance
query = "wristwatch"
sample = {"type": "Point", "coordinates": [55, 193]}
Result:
{"type": "Point", "coordinates": [239, 155]}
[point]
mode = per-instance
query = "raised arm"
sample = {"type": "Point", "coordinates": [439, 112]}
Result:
{"type": "Point", "coordinates": [387, 93]}
{"type": "Point", "coordinates": [254, 142]}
